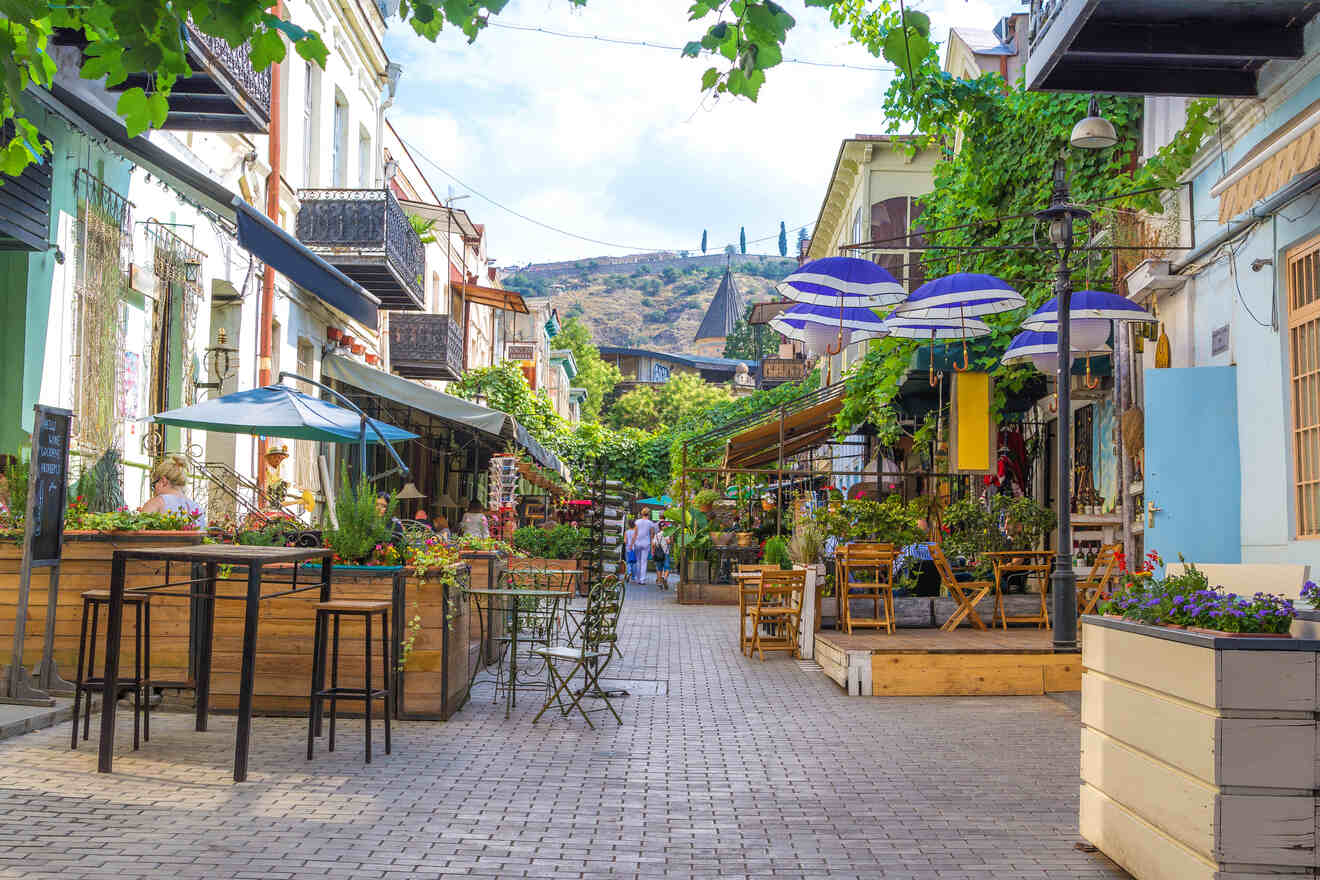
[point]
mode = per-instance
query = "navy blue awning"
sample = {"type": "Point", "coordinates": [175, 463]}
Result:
{"type": "Point", "coordinates": [291, 258]}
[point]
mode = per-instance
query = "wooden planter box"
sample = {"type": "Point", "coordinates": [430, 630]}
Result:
{"type": "Point", "coordinates": [1199, 753]}
{"type": "Point", "coordinates": [85, 566]}
{"type": "Point", "coordinates": [434, 681]}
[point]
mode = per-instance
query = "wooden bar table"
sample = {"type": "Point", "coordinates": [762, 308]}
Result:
{"type": "Point", "coordinates": [211, 557]}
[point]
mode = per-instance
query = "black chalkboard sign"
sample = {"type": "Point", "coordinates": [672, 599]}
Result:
{"type": "Point", "coordinates": [48, 492]}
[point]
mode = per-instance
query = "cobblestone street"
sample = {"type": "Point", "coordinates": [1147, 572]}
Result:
{"type": "Point", "coordinates": [733, 768]}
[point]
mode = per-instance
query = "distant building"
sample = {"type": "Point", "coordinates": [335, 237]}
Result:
{"type": "Point", "coordinates": [644, 367]}
{"type": "Point", "coordinates": [972, 52]}
{"type": "Point", "coordinates": [720, 318]}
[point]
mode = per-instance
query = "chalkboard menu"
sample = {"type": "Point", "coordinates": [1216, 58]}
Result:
{"type": "Point", "coordinates": [48, 485]}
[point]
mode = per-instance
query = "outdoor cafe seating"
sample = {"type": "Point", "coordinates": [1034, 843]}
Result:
{"type": "Point", "coordinates": [776, 616]}
{"type": "Point", "coordinates": [865, 572]}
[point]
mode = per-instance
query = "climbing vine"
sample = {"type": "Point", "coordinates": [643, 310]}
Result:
{"type": "Point", "coordinates": [998, 144]}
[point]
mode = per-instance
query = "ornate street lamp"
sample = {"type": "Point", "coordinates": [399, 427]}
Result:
{"type": "Point", "coordinates": [1060, 216]}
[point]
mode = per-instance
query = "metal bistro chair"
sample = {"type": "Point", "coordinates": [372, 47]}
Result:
{"type": "Point", "coordinates": [1098, 583]}
{"type": "Point", "coordinates": [599, 632]}
{"type": "Point", "coordinates": [878, 559]}
{"type": "Point", "coordinates": [535, 617]}
{"type": "Point", "coordinates": [779, 610]}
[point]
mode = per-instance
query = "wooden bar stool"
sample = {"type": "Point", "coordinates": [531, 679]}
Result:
{"type": "Point", "coordinates": [87, 683]}
{"type": "Point", "coordinates": [326, 614]}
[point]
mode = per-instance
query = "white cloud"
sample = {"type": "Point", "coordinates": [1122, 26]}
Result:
{"type": "Point", "coordinates": [615, 142]}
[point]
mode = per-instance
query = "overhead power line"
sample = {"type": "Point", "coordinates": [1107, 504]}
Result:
{"type": "Point", "coordinates": [647, 44]}
{"type": "Point", "coordinates": [421, 155]}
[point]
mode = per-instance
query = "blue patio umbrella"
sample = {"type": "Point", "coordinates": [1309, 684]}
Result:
{"type": "Point", "coordinates": [819, 325]}
{"type": "Point", "coordinates": [280, 411]}
{"type": "Point", "coordinates": [842, 281]}
{"type": "Point", "coordinates": [1091, 314]}
{"type": "Point", "coordinates": [1041, 349]}
{"type": "Point", "coordinates": [908, 327]}
{"type": "Point", "coordinates": [963, 294]}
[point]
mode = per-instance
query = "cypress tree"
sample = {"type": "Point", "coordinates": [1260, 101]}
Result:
{"type": "Point", "coordinates": [742, 239]}
{"type": "Point", "coordinates": [783, 240]}
{"type": "Point", "coordinates": [703, 241]}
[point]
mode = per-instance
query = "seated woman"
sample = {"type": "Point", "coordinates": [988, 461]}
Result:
{"type": "Point", "coordinates": [168, 478]}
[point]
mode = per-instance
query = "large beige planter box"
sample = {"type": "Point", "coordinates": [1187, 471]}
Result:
{"type": "Point", "coordinates": [1199, 752]}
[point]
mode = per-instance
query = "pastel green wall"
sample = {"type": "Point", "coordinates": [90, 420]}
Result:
{"type": "Point", "coordinates": [26, 290]}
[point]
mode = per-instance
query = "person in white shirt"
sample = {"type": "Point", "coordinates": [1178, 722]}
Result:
{"type": "Point", "coordinates": [475, 524]}
{"type": "Point", "coordinates": [645, 535]}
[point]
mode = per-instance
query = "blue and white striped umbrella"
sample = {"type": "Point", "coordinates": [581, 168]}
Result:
{"type": "Point", "coordinates": [907, 327]}
{"type": "Point", "coordinates": [1088, 305]}
{"type": "Point", "coordinates": [963, 294]}
{"type": "Point", "coordinates": [821, 326]}
{"type": "Point", "coordinates": [1041, 347]}
{"type": "Point", "coordinates": [1091, 314]}
{"type": "Point", "coordinates": [842, 281]}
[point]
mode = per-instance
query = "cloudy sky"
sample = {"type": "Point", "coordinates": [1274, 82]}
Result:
{"type": "Point", "coordinates": [616, 143]}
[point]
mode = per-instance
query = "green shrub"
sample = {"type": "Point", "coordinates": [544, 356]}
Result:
{"type": "Point", "coordinates": [776, 553]}
{"type": "Point", "coordinates": [531, 540]}
{"type": "Point", "coordinates": [361, 528]}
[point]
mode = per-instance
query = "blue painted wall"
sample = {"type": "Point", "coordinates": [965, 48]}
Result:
{"type": "Point", "coordinates": [1253, 305]}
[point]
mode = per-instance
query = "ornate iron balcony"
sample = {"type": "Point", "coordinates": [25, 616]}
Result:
{"type": "Point", "coordinates": [425, 346]}
{"type": "Point", "coordinates": [366, 235]}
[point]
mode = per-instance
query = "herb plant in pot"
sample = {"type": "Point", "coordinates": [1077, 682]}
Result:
{"type": "Point", "coordinates": [361, 528]}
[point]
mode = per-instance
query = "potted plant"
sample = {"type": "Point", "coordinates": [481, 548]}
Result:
{"type": "Point", "coordinates": [776, 553]}
{"type": "Point", "coordinates": [360, 528]}
{"type": "Point", "coordinates": [1199, 720]}
{"type": "Point", "coordinates": [705, 500]}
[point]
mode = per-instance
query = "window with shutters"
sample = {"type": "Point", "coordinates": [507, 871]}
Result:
{"type": "Point", "coordinates": [1304, 372]}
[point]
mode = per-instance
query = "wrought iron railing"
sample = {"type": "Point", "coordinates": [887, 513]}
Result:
{"type": "Point", "coordinates": [424, 346]}
{"type": "Point", "coordinates": [359, 226]}
{"type": "Point", "coordinates": [237, 66]}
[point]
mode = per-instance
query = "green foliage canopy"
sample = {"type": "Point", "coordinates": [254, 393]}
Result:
{"type": "Point", "coordinates": [997, 169]}
{"type": "Point", "coordinates": [594, 373]}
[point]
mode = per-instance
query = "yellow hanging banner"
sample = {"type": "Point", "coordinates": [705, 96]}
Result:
{"type": "Point", "coordinates": [972, 426]}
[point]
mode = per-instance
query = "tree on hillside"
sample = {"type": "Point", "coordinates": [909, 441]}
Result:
{"type": "Point", "coordinates": [684, 396]}
{"type": "Point", "coordinates": [741, 342]}
{"type": "Point", "coordinates": [742, 239]}
{"type": "Point", "coordinates": [783, 240]}
{"type": "Point", "coordinates": [594, 373]}
{"type": "Point", "coordinates": [703, 241]}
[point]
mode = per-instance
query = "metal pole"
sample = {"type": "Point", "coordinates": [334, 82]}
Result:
{"type": "Point", "coordinates": [1064, 579]}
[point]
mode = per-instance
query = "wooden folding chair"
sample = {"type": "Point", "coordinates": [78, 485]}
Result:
{"type": "Point", "coordinates": [748, 580]}
{"type": "Point", "coordinates": [878, 560]}
{"type": "Point", "coordinates": [966, 593]}
{"type": "Point", "coordinates": [1098, 583]}
{"type": "Point", "coordinates": [778, 608]}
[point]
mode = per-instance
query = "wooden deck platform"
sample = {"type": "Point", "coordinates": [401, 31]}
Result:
{"type": "Point", "coordinates": [966, 662]}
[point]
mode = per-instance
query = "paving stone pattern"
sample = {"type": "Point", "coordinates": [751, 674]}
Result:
{"type": "Point", "coordinates": [744, 769]}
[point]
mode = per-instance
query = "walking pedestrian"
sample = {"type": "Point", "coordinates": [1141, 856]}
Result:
{"type": "Point", "coordinates": [630, 550]}
{"type": "Point", "coordinates": [645, 535]}
{"type": "Point", "coordinates": [660, 547]}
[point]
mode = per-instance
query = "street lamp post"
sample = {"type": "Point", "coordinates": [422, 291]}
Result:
{"type": "Point", "coordinates": [1060, 216]}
